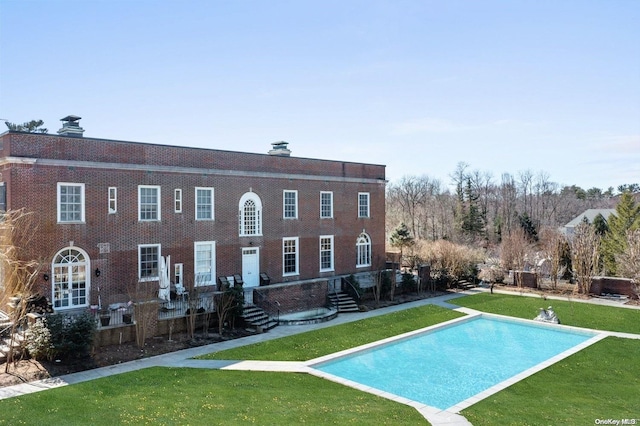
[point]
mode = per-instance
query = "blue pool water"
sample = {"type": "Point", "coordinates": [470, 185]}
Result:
{"type": "Point", "coordinates": [446, 366]}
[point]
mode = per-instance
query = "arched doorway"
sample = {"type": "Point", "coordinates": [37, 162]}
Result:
{"type": "Point", "coordinates": [70, 279]}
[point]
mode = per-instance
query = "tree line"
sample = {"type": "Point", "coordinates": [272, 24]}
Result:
{"type": "Point", "coordinates": [481, 208]}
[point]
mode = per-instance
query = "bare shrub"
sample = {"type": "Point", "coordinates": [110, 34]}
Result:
{"type": "Point", "coordinates": [585, 247]}
{"type": "Point", "coordinates": [455, 260]}
{"type": "Point", "coordinates": [18, 273]}
{"type": "Point", "coordinates": [514, 250]}
{"type": "Point", "coordinates": [629, 261]}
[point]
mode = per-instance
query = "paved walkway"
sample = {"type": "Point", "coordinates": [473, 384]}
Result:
{"type": "Point", "coordinates": [183, 358]}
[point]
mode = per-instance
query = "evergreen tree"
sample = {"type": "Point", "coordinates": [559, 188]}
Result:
{"type": "Point", "coordinates": [528, 227]}
{"type": "Point", "coordinates": [600, 224]}
{"type": "Point", "coordinates": [614, 243]}
{"type": "Point", "coordinates": [33, 126]}
{"type": "Point", "coordinates": [401, 238]}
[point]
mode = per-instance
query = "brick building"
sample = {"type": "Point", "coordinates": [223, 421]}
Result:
{"type": "Point", "coordinates": [107, 212]}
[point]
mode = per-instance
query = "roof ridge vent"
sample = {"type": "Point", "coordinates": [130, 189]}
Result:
{"type": "Point", "coordinates": [71, 127]}
{"type": "Point", "coordinates": [280, 148]}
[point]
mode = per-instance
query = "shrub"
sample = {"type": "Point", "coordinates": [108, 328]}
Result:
{"type": "Point", "coordinates": [451, 262]}
{"type": "Point", "coordinates": [409, 283]}
{"type": "Point", "coordinates": [61, 337]}
{"type": "Point", "coordinates": [38, 340]}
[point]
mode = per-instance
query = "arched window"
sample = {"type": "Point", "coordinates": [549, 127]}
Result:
{"type": "Point", "coordinates": [250, 215]}
{"type": "Point", "coordinates": [363, 246]}
{"type": "Point", "coordinates": [70, 280]}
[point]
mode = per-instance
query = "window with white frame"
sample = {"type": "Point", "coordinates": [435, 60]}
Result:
{"type": "Point", "coordinates": [113, 199]}
{"type": "Point", "coordinates": [290, 204]}
{"type": "Point", "coordinates": [326, 253]}
{"type": "Point", "coordinates": [148, 262]}
{"type": "Point", "coordinates": [363, 204]}
{"type": "Point", "coordinates": [148, 203]}
{"type": "Point", "coordinates": [205, 262]}
{"type": "Point", "coordinates": [70, 285]}
{"type": "Point", "coordinates": [250, 215]}
{"type": "Point", "coordinates": [71, 202]}
{"type": "Point", "coordinates": [326, 204]}
{"type": "Point", "coordinates": [178, 270]}
{"type": "Point", "coordinates": [177, 200]}
{"type": "Point", "coordinates": [290, 256]}
{"type": "Point", "coordinates": [363, 248]}
{"type": "Point", "coordinates": [204, 203]}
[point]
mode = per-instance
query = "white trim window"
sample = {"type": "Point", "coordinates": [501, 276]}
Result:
{"type": "Point", "coordinates": [70, 280]}
{"type": "Point", "coordinates": [113, 200]}
{"type": "Point", "coordinates": [178, 271]}
{"type": "Point", "coordinates": [177, 200]}
{"type": "Point", "coordinates": [204, 203]}
{"type": "Point", "coordinates": [148, 203]}
{"type": "Point", "coordinates": [363, 204]}
{"type": "Point", "coordinates": [290, 204]}
{"type": "Point", "coordinates": [326, 204]}
{"type": "Point", "coordinates": [250, 215]}
{"type": "Point", "coordinates": [71, 202]}
{"type": "Point", "coordinates": [149, 262]}
{"type": "Point", "coordinates": [326, 253]}
{"type": "Point", "coordinates": [204, 255]}
{"type": "Point", "coordinates": [290, 261]}
{"type": "Point", "coordinates": [363, 248]}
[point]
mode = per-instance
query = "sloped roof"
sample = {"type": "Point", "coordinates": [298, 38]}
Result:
{"type": "Point", "coordinates": [590, 214]}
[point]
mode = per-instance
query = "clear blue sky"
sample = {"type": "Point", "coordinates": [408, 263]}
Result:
{"type": "Point", "coordinates": [418, 85]}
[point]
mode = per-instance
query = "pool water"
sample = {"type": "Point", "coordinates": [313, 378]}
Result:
{"type": "Point", "coordinates": [444, 367]}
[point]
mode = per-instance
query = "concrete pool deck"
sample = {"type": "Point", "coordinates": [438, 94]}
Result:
{"type": "Point", "coordinates": [183, 358]}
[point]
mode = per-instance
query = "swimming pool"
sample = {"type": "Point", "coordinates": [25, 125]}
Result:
{"type": "Point", "coordinates": [445, 366]}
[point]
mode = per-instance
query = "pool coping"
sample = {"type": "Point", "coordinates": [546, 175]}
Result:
{"type": "Point", "coordinates": [451, 415]}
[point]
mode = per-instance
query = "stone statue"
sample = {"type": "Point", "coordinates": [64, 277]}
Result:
{"type": "Point", "coordinates": [547, 315]}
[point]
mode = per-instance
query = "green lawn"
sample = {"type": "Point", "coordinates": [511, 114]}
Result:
{"type": "Point", "coordinates": [599, 382]}
{"type": "Point", "coordinates": [570, 313]}
{"type": "Point", "coordinates": [180, 396]}
{"type": "Point", "coordinates": [313, 344]}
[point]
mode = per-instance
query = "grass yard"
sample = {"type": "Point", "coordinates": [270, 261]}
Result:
{"type": "Point", "coordinates": [599, 382]}
{"type": "Point", "coordinates": [172, 396]}
{"type": "Point", "coordinates": [313, 344]}
{"type": "Point", "coordinates": [577, 314]}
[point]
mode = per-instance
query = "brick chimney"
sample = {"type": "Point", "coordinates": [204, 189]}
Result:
{"type": "Point", "coordinates": [280, 148]}
{"type": "Point", "coordinates": [71, 127]}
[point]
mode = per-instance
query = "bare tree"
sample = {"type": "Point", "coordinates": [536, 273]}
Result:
{"type": "Point", "coordinates": [18, 273]}
{"type": "Point", "coordinates": [554, 244]}
{"type": "Point", "coordinates": [513, 252]}
{"type": "Point", "coordinates": [629, 261]}
{"type": "Point", "coordinates": [585, 247]}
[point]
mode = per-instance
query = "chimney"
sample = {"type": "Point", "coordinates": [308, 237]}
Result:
{"type": "Point", "coordinates": [71, 127]}
{"type": "Point", "coordinates": [280, 148]}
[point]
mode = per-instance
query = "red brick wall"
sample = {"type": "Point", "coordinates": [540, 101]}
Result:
{"type": "Point", "coordinates": [529, 279]}
{"type": "Point", "coordinates": [33, 186]}
{"type": "Point", "coordinates": [293, 297]}
{"type": "Point", "coordinates": [613, 285]}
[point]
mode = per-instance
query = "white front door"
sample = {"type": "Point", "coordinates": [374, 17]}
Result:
{"type": "Point", "coordinates": [250, 272]}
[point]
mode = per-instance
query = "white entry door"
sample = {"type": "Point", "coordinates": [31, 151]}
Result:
{"type": "Point", "coordinates": [250, 272]}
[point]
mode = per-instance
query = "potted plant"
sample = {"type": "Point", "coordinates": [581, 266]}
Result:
{"type": "Point", "coordinates": [105, 318]}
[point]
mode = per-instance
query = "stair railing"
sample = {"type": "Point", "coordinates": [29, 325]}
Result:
{"type": "Point", "coordinates": [352, 290]}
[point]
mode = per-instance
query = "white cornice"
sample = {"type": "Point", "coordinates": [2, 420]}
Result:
{"type": "Point", "coordinates": [17, 160]}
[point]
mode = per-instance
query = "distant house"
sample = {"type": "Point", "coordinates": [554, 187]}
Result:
{"type": "Point", "coordinates": [590, 215]}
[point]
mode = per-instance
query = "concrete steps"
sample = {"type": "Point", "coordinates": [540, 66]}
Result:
{"type": "Point", "coordinates": [343, 302]}
{"type": "Point", "coordinates": [258, 318]}
{"type": "Point", "coordinates": [7, 343]}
